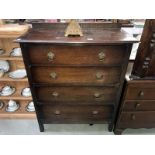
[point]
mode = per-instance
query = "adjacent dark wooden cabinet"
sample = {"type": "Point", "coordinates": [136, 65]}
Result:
{"type": "Point", "coordinates": [137, 109]}
{"type": "Point", "coordinates": [144, 65]}
{"type": "Point", "coordinates": [76, 79]}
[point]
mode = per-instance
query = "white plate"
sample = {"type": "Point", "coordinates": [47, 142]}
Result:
{"type": "Point", "coordinates": [8, 93]}
{"type": "Point", "coordinates": [18, 74]}
{"type": "Point", "coordinates": [4, 65]}
{"type": "Point", "coordinates": [11, 109]}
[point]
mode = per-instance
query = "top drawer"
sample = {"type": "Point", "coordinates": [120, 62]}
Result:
{"type": "Point", "coordinates": [76, 55]}
{"type": "Point", "coordinates": [141, 91]}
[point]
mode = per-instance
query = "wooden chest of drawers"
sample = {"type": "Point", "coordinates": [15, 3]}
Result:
{"type": "Point", "coordinates": [137, 109]}
{"type": "Point", "coordinates": [76, 79]}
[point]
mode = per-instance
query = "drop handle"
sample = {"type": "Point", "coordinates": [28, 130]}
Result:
{"type": "Point", "coordinates": [99, 75]}
{"type": "Point", "coordinates": [55, 94]}
{"type": "Point", "coordinates": [101, 56]}
{"type": "Point", "coordinates": [50, 56]}
{"type": "Point", "coordinates": [57, 112]}
{"type": "Point", "coordinates": [141, 93]}
{"type": "Point", "coordinates": [53, 75]}
{"type": "Point", "coordinates": [137, 105]}
{"type": "Point", "coordinates": [133, 117]}
{"type": "Point", "coordinates": [97, 95]}
{"type": "Point", "coordinates": [95, 112]}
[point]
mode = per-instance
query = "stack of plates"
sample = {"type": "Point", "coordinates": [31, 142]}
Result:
{"type": "Point", "coordinates": [12, 106]}
{"type": "Point", "coordinates": [16, 52]}
{"type": "Point", "coordinates": [30, 107]}
{"type": "Point", "coordinates": [7, 91]}
{"type": "Point", "coordinates": [26, 92]}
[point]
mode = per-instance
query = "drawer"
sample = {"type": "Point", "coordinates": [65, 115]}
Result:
{"type": "Point", "coordinates": [138, 119]}
{"type": "Point", "coordinates": [76, 55]}
{"type": "Point", "coordinates": [76, 75]}
{"type": "Point", "coordinates": [140, 93]}
{"type": "Point", "coordinates": [75, 114]}
{"type": "Point", "coordinates": [76, 93]}
{"type": "Point", "coordinates": [139, 105]}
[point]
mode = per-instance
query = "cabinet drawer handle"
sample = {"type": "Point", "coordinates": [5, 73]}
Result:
{"type": "Point", "coordinates": [57, 112]}
{"type": "Point", "coordinates": [137, 105]}
{"type": "Point", "coordinates": [95, 112]}
{"type": "Point", "coordinates": [55, 94]}
{"type": "Point", "coordinates": [141, 93]}
{"type": "Point", "coordinates": [133, 117]}
{"type": "Point", "coordinates": [99, 75]}
{"type": "Point", "coordinates": [97, 95]}
{"type": "Point", "coordinates": [53, 75]}
{"type": "Point", "coordinates": [50, 56]}
{"type": "Point", "coordinates": [101, 56]}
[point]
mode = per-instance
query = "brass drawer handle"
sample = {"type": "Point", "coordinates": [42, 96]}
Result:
{"type": "Point", "coordinates": [57, 112]}
{"type": "Point", "coordinates": [137, 105]}
{"type": "Point", "coordinates": [141, 93]}
{"type": "Point", "coordinates": [101, 56]}
{"type": "Point", "coordinates": [95, 112]}
{"type": "Point", "coordinates": [55, 94]}
{"type": "Point", "coordinates": [133, 117]}
{"type": "Point", "coordinates": [97, 95]}
{"type": "Point", "coordinates": [99, 75]}
{"type": "Point", "coordinates": [53, 75]}
{"type": "Point", "coordinates": [50, 56]}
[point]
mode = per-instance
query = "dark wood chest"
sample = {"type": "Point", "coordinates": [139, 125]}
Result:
{"type": "Point", "coordinates": [137, 109]}
{"type": "Point", "coordinates": [76, 79]}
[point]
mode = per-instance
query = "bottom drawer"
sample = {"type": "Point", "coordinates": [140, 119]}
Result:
{"type": "Point", "coordinates": [138, 119]}
{"type": "Point", "coordinates": [75, 114]}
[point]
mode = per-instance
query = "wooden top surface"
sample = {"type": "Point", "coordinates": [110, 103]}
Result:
{"type": "Point", "coordinates": [91, 36]}
{"type": "Point", "coordinates": [12, 30]}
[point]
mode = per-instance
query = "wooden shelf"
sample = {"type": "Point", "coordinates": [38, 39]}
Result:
{"type": "Point", "coordinates": [26, 115]}
{"type": "Point", "coordinates": [8, 33]}
{"type": "Point", "coordinates": [7, 57]}
{"type": "Point", "coordinates": [7, 78]}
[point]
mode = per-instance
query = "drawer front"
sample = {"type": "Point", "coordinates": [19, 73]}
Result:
{"type": "Point", "coordinates": [77, 75]}
{"type": "Point", "coordinates": [139, 105]}
{"type": "Point", "coordinates": [75, 114]}
{"type": "Point", "coordinates": [140, 93]}
{"type": "Point", "coordinates": [68, 94]}
{"type": "Point", "coordinates": [76, 55]}
{"type": "Point", "coordinates": [137, 119]}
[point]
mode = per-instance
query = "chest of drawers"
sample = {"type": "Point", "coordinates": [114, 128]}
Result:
{"type": "Point", "coordinates": [137, 109]}
{"type": "Point", "coordinates": [76, 79]}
